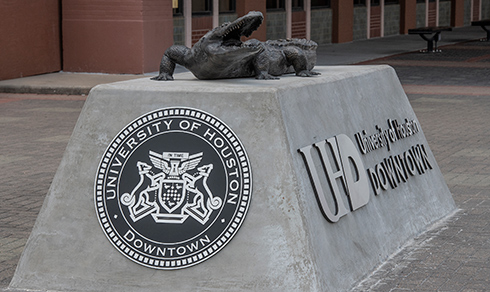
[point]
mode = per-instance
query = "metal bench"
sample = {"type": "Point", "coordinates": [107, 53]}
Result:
{"type": "Point", "coordinates": [483, 23]}
{"type": "Point", "coordinates": [435, 31]}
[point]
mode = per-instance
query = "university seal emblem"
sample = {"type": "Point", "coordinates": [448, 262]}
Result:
{"type": "Point", "coordinates": [173, 188]}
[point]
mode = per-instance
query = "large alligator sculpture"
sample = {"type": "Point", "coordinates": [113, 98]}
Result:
{"type": "Point", "coordinates": [221, 54]}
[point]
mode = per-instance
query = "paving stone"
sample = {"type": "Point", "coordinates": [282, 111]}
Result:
{"type": "Point", "coordinates": [28, 164]}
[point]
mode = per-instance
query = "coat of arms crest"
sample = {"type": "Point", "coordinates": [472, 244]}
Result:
{"type": "Point", "coordinates": [172, 194]}
{"type": "Point", "coordinates": [173, 188]}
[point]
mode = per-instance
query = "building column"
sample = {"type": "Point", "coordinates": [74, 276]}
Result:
{"type": "Point", "coordinates": [475, 10]}
{"type": "Point", "coordinates": [408, 14]}
{"type": "Point", "coordinates": [457, 13]}
{"type": "Point", "coordinates": [342, 21]}
{"type": "Point", "coordinates": [426, 12]}
{"type": "Point", "coordinates": [308, 18]}
{"type": "Point", "coordinates": [215, 13]}
{"type": "Point", "coordinates": [245, 6]}
{"type": "Point", "coordinates": [437, 12]}
{"type": "Point", "coordinates": [372, 17]}
{"type": "Point", "coordinates": [289, 18]}
{"type": "Point", "coordinates": [382, 3]}
{"type": "Point", "coordinates": [188, 23]}
{"type": "Point", "coordinates": [368, 16]}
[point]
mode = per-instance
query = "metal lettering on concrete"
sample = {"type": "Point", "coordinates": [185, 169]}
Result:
{"type": "Point", "coordinates": [345, 175]}
{"type": "Point", "coordinates": [346, 169]}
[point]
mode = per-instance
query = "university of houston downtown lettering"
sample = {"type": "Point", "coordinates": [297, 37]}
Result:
{"type": "Point", "coordinates": [173, 188]}
{"type": "Point", "coordinates": [337, 164]}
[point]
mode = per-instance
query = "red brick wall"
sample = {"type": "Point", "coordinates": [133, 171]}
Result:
{"type": "Point", "coordinates": [457, 13]}
{"type": "Point", "coordinates": [245, 6]}
{"type": "Point", "coordinates": [158, 32]}
{"type": "Point", "coordinates": [115, 36]}
{"type": "Point", "coordinates": [476, 10]}
{"type": "Point", "coordinates": [375, 22]}
{"type": "Point", "coordinates": [29, 38]}
{"type": "Point", "coordinates": [298, 25]}
{"type": "Point", "coordinates": [200, 26]}
{"type": "Point", "coordinates": [432, 14]}
{"type": "Point", "coordinates": [342, 21]}
{"type": "Point", "coordinates": [408, 12]}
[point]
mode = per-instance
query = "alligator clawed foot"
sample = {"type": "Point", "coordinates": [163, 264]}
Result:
{"type": "Point", "coordinates": [265, 76]}
{"type": "Point", "coordinates": [163, 77]}
{"type": "Point", "coordinates": [307, 73]}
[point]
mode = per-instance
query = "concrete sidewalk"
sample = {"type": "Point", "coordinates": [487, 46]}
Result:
{"type": "Point", "coordinates": [449, 91]}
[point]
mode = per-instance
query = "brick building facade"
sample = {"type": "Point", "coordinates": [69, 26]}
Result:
{"type": "Point", "coordinates": [130, 36]}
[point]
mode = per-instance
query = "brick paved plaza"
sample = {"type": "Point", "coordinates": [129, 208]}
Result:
{"type": "Point", "coordinates": [450, 93]}
{"type": "Point", "coordinates": [35, 130]}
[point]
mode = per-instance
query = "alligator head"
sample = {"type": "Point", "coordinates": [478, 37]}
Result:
{"type": "Point", "coordinates": [231, 32]}
{"type": "Point", "coordinates": [222, 50]}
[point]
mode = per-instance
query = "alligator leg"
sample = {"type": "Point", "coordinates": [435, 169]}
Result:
{"type": "Point", "coordinates": [173, 55]}
{"type": "Point", "coordinates": [297, 59]}
{"type": "Point", "coordinates": [261, 66]}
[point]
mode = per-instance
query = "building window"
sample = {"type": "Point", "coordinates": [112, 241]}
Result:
{"type": "Point", "coordinates": [275, 4]}
{"type": "Point", "coordinates": [227, 6]}
{"type": "Point", "coordinates": [375, 2]}
{"type": "Point", "coordinates": [177, 7]}
{"type": "Point", "coordinates": [390, 2]}
{"type": "Point", "coordinates": [359, 2]}
{"type": "Point", "coordinates": [202, 7]}
{"type": "Point", "coordinates": [297, 5]}
{"type": "Point", "coordinates": [316, 4]}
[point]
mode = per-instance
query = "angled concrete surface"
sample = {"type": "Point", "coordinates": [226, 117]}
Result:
{"type": "Point", "coordinates": [284, 243]}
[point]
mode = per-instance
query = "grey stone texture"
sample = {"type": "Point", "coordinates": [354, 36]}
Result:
{"type": "Point", "coordinates": [420, 15]}
{"type": "Point", "coordinates": [485, 9]}
{"type": "Point", "coordinates": [285, 243]}
{"type": "Point", "coordinates": [321, 26]}
{"type": "Point", "coordinates": [179, 31]}
{"type": "Point", "coordinates": [227, 17]}
{"type": "Point", "coordinates": [276, 25]}
{"type": "Point", "coordinates": [360, 23]}
{"type": "Point", "coordinates": [392, 20]}
{"type": "Point", "coordinates": [467, 12]}
{"type": "Point", "coordinates": [445, 13]}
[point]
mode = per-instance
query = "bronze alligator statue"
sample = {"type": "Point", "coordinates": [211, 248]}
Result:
{"type": "Point", "coordinates": [221, 54]}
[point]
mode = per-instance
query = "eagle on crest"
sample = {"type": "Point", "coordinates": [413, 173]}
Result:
{"type": "Point", "coordinates": [175, 164]}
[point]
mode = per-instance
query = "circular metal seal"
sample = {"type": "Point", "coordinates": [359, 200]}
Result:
{"type": "Point", "coordinates": [173, 188]}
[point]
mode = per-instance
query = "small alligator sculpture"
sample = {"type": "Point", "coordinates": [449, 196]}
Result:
{"type": "Point", "coordinates": [221, 54]}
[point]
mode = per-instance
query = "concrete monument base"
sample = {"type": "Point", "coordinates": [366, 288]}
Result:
{"type": "Point", "coordinates": [342, 177]}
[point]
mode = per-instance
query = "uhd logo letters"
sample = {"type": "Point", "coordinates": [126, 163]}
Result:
{"type": "Point", "coordinates": [344, 172]}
